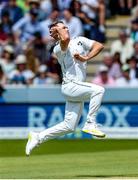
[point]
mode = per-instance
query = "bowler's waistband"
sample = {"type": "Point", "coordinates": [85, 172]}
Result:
{"type": "Point", "coordinates": [65, 81]}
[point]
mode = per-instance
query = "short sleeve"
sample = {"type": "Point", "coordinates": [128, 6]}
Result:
{"type": "Point", "coordinates": [87, 43]}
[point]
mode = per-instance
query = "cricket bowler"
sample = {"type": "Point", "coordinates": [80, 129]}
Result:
{"type": "Point", "coordinates": [73, 55]}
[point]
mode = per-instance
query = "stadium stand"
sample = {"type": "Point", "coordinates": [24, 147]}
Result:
{"type": "Point", "coordinates": [24, 31]}
{"type": "Point", "coordinates": [113, 26]}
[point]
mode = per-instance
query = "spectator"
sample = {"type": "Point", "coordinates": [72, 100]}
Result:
{"type": "Point", "coordinates": [95, 10]}
{"type": "Point", "coordinates": [134, 11]}
{"type": "Point", "coordinates": [44, 25]}
{"type": "Point", "coordinates": [15, 12]}
{"type": "Point", "coordinates": [6, 23]}
{"type": "Point", "coordinates": [135, 54]}
{"type": "Point", "coordinates": [21, 75]}
{"type": "Point", "coordinates": [115, 70]}
{"type": "Point", "coordinates": [103, 78]}
{"type": "Point", "coordinates": [113, 63]}
{"type": "Point", "coordinates": [3, 36]}
{"type": "Point", "coordinates": [12, 41]}
{"type": "Point", "coordinates": [87, 23]}
{"type": "Point", "coordinates": [48, 6]}
{"type": "Point", "coordinates": [107, 59]}
{"type": "Point", "coordinates": [124, 46]}
{"type": "Point", "coordinates": [72, 22]}
{"type": "Point", "coordinates": [32, 60]}
{"type": "Point", "coordinates": [62, 4]}
{"type": "Point", "coordinates": [133, 67]}
{"type": "Point", "coordinates": [25, 28]}
{"type": "Point", "coordinates": [134, 29]}
{"type": "Point", "coordinates": [90, 7]}
{"type": "Point", "coordinates": [2, 5]}
{"type": "Point", "coordinates": [39, 48]}
{"type": "Point", "coordinates": [9, 39]}
{"type": "Point", "coordinates": [5, 28]}
{"type": "Point", "coordinates": [125, 6]}
{"type": "Point", "coordinates": [125, 80]}
{"type": "Point", "coordinates": [7, 60]}
{"type": "Point", "coordinates": [91, 27]}
{"type": "Point", "coordinates": [35, 4]}
{"type": "Point", "coordinates": [43, 77]}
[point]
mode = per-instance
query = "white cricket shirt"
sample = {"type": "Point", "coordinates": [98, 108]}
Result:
{"type": "Point", "coordinates": [72, 68]}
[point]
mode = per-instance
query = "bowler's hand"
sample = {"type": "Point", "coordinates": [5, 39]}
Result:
{"type": "Point", "coordinates": [80, 57]}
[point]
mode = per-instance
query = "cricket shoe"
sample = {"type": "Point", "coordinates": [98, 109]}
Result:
{"type": "Point", "coordinates": [93, 129]}
{"type": "Point", "coordinates": [33, 141]}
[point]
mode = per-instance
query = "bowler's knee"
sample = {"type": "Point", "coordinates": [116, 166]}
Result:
{"type": "Point", "coordinates": [102, 89]}
{"type": "Point", "coordinates": [99, 90]}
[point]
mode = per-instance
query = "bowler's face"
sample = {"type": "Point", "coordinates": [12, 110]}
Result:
{"type": "Point", "coordinates": [60, 26]}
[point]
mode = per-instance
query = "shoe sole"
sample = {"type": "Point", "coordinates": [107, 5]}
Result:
{"type": "Point", "coordinates": [96, 135]}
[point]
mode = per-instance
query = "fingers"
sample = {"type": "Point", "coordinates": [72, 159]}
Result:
{"type": "Point", "coordinates": [79, 57]}
{"type": "Point", "coordinates": [76, 55]}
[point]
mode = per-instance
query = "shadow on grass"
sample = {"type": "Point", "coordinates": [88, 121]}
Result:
{"type": "Point", "coordinates": [107, 176]}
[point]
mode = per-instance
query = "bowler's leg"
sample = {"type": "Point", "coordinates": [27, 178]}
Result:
{"type": "Point", "coordinates": [80, 91]}
{"type": "Point", "coordinates": [72, 115]}
{"type": "Point", "coordinates": [95, 102]}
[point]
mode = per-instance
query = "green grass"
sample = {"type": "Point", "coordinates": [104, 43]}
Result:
{"type": "Point", "coordinates": [59, 159]}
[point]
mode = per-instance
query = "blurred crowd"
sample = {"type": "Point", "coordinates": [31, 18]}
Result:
{"type": "Point", "coordinates": [120, 63]}
{"type": "Point", "coordinates": [26, 46]}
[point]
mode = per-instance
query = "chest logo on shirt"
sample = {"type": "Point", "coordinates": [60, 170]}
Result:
{"type": "Point", "coordinates": [79, 43]}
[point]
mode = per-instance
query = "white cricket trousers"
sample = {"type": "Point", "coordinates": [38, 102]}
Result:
{"type": "Point", "coordinates": [75, 93]}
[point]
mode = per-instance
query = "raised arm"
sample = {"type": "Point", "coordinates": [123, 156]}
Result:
{"type": "Point", "coordinates": [95, 49]}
